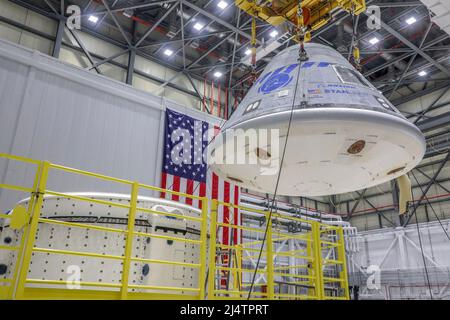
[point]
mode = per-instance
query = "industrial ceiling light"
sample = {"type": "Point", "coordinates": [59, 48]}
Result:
{"type": "Point", "coordinates": [411, 20]}
{"type": "Point", "coordinates": [222, 4]}
{"type": "Point", "coordinates": [199, 26]}
{"type": "Point", "coordinates": [93, 19]}
{"type": "Point", "coordinates": [423, 73]}
{"type": "Point", "coordinates": [218, 74]}
{"type": "Point", "coordinates": [374, 40]}
{"type": "Point", "coordinates": [168, 52]}
{"type": "Point", "coordinates": [248, 52]}
{"type": "Point", "coordinates": [274, 33]}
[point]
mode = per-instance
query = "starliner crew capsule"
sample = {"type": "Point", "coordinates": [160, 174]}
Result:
{"type": "Point", "coordinates": [344, 134]}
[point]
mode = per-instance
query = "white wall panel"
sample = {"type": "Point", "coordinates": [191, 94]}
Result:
{"type": "Point", "coordinates": [422, 103]}
{"type": "Point", "coordinates": [74, 57]}
{"type": "Point", "coordinates": [145, 84]}
{"type": "Point", "coordinates": [10, 33]}
{"type": "Point", "coordinates": [150, 67]}
{"type": "Point", "coordinates": [33, 41]}
{"type": "Point", "coordinates": [13, 11]}
{"type": "Point", "coordinates": [100, 47]}
{"type": "Point", "coordinates": [182, 98]}
{"type": "Point", "coordinates": [114, 72]}
{"type": "Point", "coordinates": [30, 19]}
{"type": "Point", "coordinates": [41, 23]}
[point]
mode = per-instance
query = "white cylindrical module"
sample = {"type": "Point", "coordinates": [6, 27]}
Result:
{"type": "Point", "coordinates": [344, 134]}
{"type": "Point", "coordinates": [64, 267]}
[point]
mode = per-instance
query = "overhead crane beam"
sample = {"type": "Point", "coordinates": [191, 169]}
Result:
{"type": "Point", "coordinates": [316, 13]}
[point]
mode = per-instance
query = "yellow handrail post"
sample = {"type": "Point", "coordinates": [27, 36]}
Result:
{"type": "Point", "coordinates": [310, 254]}
{"type": "Point", "coordinates": [342, 258]}
{"type": "Point", "coordinates": [234, 266]}
{"type": "Point", "coordinates": [317, 260]}
{"type": "Point", "coordinates": [25, 232]}
{"type": "Point", "coordinates": [212, 249]}
{"type": "Point", "coordinates": [129, 241]}
{"type": "Point", "coordinates": [239, 264]}
{"type": "Point", "coordinates": [203, 248]}
{"type": "Point", "coordinates": [29, 243]}
{"type": "Point", "coordinates": [238, 268]}
{"type": "Point", "coordinates": [269, 261]}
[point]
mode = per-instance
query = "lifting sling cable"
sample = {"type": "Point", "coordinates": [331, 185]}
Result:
{"type": "Point", "coordinates": [354, 44]}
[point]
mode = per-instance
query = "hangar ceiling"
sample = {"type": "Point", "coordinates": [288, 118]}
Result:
{"type": "Point", "coordinates": [408, 55]}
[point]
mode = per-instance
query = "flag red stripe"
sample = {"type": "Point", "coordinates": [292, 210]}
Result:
{"type": "Point", "coordinates": [215, 186]}
{"type": "Point", "coordinates": [202, 193]}
{"type": "Point", "coordinates": [189, 190]}
{"type": "Point", "coordinates": [176, 187]}
{"type": "Point", "coordinates": [226, 213]}
{"type": "Point", "coordinates": [242, 231]}
{"type": "Point", "coordinates": [163, 184]}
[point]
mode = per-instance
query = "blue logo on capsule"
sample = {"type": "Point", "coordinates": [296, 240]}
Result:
{"type": "Point", "coordinates": [278, 79]}
{"type": "Point", "coordinates": [281, 77]}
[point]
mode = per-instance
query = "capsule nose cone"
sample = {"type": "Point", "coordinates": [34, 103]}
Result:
{"type": "Point", "coordinates": [344, 135]}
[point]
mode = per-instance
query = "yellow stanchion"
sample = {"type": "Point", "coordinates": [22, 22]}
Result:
{"type": "Point", "coordinates": [29, 244]}
{"type": "Point", "coordinates": [203, 249]}
{"type": "Point", "coordinates": [212, 250]}
{"type": "Point", "coordinates": [269, 261]}
{"type": "Point", "coordinates": [129, 240]}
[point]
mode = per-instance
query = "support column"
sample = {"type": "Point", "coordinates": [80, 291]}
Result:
{"type": "Point", "coordinates": [130, 67]}
{"type": "Point", "coordinates": [58, 39]}
{"type": "Point", "coordinates": [402, 249]}
{"type": "Point", "coordinates": [131, 56]}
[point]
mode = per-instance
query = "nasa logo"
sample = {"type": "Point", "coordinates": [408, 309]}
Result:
{"type": "Point", "coordinates": [278, 79]}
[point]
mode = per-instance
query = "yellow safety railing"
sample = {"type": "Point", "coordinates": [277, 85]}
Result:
{"type": "Point", "coordinates": [316, 268]}
{"type": "Point", "coordinates": [305, 277]}
{"type": "Point", "coordinates": [17, 286]}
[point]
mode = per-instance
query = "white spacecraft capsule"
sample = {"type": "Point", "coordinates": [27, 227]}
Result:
{"type": "Point", "coordinates": [344, 134]}
{"type": "Point", "coordinates": [150, 244]}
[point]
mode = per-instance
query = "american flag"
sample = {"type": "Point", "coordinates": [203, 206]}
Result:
{"type": "Point", "coordinates": [185, 170]}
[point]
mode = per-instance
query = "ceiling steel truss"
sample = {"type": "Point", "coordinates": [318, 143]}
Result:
{"type": "Point", "coordinates": [156, 14]}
